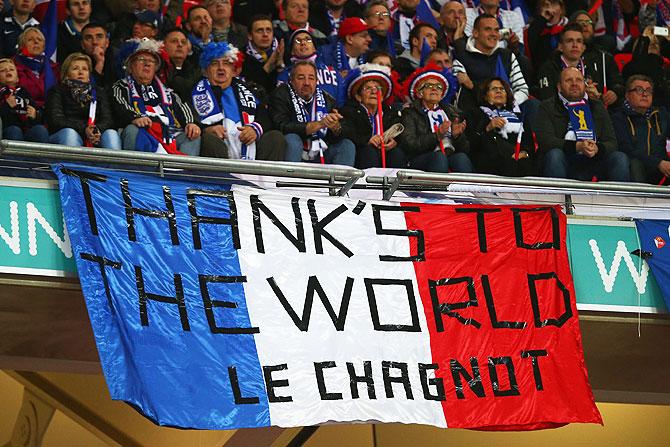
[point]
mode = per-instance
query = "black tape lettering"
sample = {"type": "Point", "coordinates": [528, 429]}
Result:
{"type": "Point", "coordinates": [154, 214]}
{"type": "Point", "coordinates": [321, 383]}
{"type": "Point", "coordinates": [298, 240]}
{"type": "Point", "coordinates": [448, 308]}
{"type": "Point", "coordinates": [534, 354]}
{"type": "Point", "coordinates": [271, 384]}
{"type": "Point", "coordinates": [534, 300]}
{"type": "Point", "coordinates": [403, 378]}
{"type": "Point", "coordinates": [102, 263]}
{"type": "Point", "coordinates": [358, 209]}
{"type": "Point", "coordinates": [374, 311]}
{"type": "Point", "coordinates": [474, 381]}
{"type": "Point", "coordinates": [555, 229]}
{"type": "Point", "coordinates": [211, 304]}
{"type": "Point", "coordinates": [426, 383]}
{"type": "Point", "coordinates": [418, 234]}
{"type": "Point", "coordinates": [237, 392]}
{"type": "Point", "coordinates": [196, 219]}
{"type": "Point", "coordinates": [318, 227]}
{"type": "Point", "coordinates": [178, 299]}
{"type": "Point", "coordinates": [495, 383]}
{"type": "Point", "coordinates": [490, 305]}
{"type": "Point", "coordinates": [84, 179]}
{"type": "Point", "coordinates": [481, 223]}
{"type": "Point", "coordinates": [366, 378]}
{"type": "Point", "coordinates": [313, 285]}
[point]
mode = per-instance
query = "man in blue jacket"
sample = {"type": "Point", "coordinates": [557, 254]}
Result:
{"type": "Point", "coordinates": [643, 132]}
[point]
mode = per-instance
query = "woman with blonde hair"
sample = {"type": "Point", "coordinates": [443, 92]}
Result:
{"type": "Point", "coordinates": [77, 112]}
{"type": "Point", "coordinates": [37, 74]}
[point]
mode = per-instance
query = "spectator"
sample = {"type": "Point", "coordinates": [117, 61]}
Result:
{"type": "Point", "coordinates": [496, 135]}
{"type": "Point", "coordinates": [361, 115]}
{"type": "Point", "coordinates": [148, 14]}
{"type": "Point", "coordinates": [36, 73]}
{"type": "Point", "coordinates": [154, 118]}
{"type": "Point", "coordinates": [348, 51]}
{"type": "Point", "coordinates": [482, 59]}
{"type": "Point", "coordinates": [648, 59]}
{"type": "Point", "coordinates": [296, 14]}
{"type": "Point", "coordinates": [575, 135]}
{"type": "Point", "coordinates": [570, 53]}
{"type": "Point", "coordinates": [434, 137]}
{"type": "Point", "coordinates": [69, 30]}
{"type": "Point", "coordinates": [410, 59]}
{"type": "Point", "coordinates": [643, 132]}
{"type": "Point", "coordinates": [378, 17]}
{"type": "Point", "coordinates": [512, 22]}
{"type": "Point", "coordinates": [181, 71]}
{"type": "Point", "coordinates": [327, 16]}
{"type": "Point", "coordinates": [223, 28]}
{"type": "Point", "coordinates": [95, 44]}
{"type": "Point", "coordinates": [265, 55]}
{"type": "Point", "coordinates": [199, 26]}
{"type": "Point", "coordinates": [440, 58]}
{"type": "Point", "coordinates": [405, 17]}
{"type": "Point", "coordinates": [237, 125]}
{"type": "Point", "coordinates": [146, 25]}
{"type": "Point", "coordinates": [452, 15]}
{"type": "Point", "coordinates": [15, 23]}
{"type": "Point", "coordinates": [305, 115]}
{"type": "Point", "coordinates": [328, 79]}
{"type": "Point", "coordinates": [544, 30]}
{"type": "Point", "coordinates": [78, 113]}
{"type": "Point", "coordinates": [20, 115]}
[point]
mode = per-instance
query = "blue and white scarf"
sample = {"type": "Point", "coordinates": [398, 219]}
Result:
{"type": "Point", "coordinates": [512, 126]}
{"type": "Point", "coordinates": [306, 112]}
{"type": "Point", "coordinates": [233, 111]}
{"type": "Point", "coordinates": [581, 125]}
{"type": "Point", "coordinates": [260, 55]}
{"type": "Point", "coordinates": [436, 117]}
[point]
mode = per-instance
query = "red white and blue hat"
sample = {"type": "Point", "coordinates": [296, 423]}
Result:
{"type": "Point", "coordinates": [369, 72]}
{"type": "Point", "coordinates": [434, 72]}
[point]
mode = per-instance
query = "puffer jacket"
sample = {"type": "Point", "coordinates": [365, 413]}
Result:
{"type": "Point", "coordinates": [62, 111]}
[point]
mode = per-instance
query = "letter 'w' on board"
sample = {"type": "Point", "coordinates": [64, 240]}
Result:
{"type": "Point", "coordinates": [257, 307]}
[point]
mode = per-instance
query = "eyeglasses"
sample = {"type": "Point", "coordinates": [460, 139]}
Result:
{"type": "Point", "coordinates": [642, 91]}
{"type": "Point", "coordinates": [380, 15]}
{"type": "Point", "coordinates": [305, 40]}
{"type": "Point", "coordinates": [497, 89]}
{"type": "Point", "coordinates": [585, 22]}
{"type": "Point", "coordinates": [435, 86]}
{"type": "Point", "coordinates": [146, 60]}
{"type": "Point", "coordinates": [371, 88]}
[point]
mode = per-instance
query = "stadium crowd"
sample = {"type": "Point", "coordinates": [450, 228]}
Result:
{"type": "Point", "coordinates": [561, 88]}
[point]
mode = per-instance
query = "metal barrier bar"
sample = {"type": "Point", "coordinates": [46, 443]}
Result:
{"type": "Point", "coordinates": [347, 176]}
{"type": "Point", "coordinates": [413, 180]}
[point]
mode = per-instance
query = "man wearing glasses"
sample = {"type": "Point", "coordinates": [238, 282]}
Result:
{"type": "Point", "coordinates": [153, 116]}
{"type": "Point", "coordinates": [643, 132]}
{"type": "Point", "coordinates": [378, 17]}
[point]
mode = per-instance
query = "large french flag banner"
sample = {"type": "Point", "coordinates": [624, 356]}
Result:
{"type": "Point", "coordinates": [220, 308]}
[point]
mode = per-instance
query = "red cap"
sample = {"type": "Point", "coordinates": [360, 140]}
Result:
{"type": "Point", "coordinates": [352, 25]}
